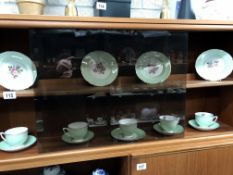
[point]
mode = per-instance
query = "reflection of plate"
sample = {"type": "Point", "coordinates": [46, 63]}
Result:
{"type": "Point", "coordinates": [5, 147]}
{"type": "Point", "coordinates": [99, 68]}
{"type": "Point", "coordinates": [214, 64]}
{"type": "Point", "coordinates": [17, 71]}
{"type": "Point", "coordinates": [153, 67]}
{"type": "Point", "coordinates": [70, 140]}
{"type": "Point", "coordinates": [213, 126]}
{"type": "Point", "coordinates": [179, 129]}
{"type": "Point", "coordinates": [117, 134]}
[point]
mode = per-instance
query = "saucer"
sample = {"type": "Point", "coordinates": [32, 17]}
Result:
{"type": "Point", "coordinates": [213, 126]}
{"type": "Point", "coordinates": [117, 134]}
{"type": "Point", "coordinates": [5, 147]}
{"type": "Point", "coordinates": [179, 129]}
{"type": "Point", "coordinates": [70, 140]}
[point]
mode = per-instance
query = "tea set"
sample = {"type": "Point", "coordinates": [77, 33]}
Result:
{"type": "Point", "coordinates": [168, 125]}
{"type": "Point", "coordinates": [128, 130]}
{"type": "Point", "coordinates": [16, 139]}
{"type": "Point", "coordinates": [204, 121]}
{"type": "Point", "coordinates": [77, 132]}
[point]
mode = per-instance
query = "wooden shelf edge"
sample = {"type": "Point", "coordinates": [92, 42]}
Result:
{"type": "Point", "coordinates": [77, 86]}
{"type": "Point", "coordinates": [54, 87]}
{"type": "Point", "coordinates": [193, 82]}
{"type": "Point", "coordinates": [43, 21]}
{"type": "Point", "coordinates": [202, 83]}
{"type": "Point", "coordinates": [131, 149]}
{"type": "Point", "coordinates": [189, 145]}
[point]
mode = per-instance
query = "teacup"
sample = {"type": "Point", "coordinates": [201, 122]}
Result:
{"type": "Point", "coordinates": [205, 119]}
{"type": "Point", "coordinates": [15, 136]}
{"type": "Point", "coordinates": [128, 127]}
{"type": "Point", "coordinates": [169, 122]}
{"type": "Point", "coordinates": [76, 130]}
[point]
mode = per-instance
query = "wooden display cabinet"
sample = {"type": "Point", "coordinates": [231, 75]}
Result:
{"type": "Point", "coordinates": [194, 153]}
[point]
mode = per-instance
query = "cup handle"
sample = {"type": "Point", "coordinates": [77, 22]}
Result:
{"type": "Point", "coordinates": [215, 118]}
{"type": "Point", "coordinates": [2, 136]}
{"type": "Point", "coordinates": [65, 130]}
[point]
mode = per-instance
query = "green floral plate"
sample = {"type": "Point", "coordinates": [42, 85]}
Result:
{"type": "Point", "coordinates": [153, 67]}
{"type": "Point", "coordinates": [99, 68]}
{"type": "Point", "coordinates": [214, 65]}
{"type": "Point", "coordinates": [17, 71]}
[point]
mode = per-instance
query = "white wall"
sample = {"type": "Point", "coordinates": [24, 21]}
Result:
{"type": "Point", "coordinates": [139, 8]}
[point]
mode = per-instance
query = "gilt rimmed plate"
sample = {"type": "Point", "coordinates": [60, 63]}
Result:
{"type": "Point", "coordinates": [17, 71]}
{"type": "Point", "coordinates": [153, 67]}
{"type": "Point", "coordinates": [214, 64]}
{"type": "Point", "coordinates": [99, 68]}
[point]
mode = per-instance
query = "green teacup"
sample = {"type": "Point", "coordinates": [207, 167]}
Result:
{"type": "Point", "coordinates": [15, 136]}
{"type": "Point", "coordinates": [169, 122]}
{"type": "Point", "coordinates": [76, 130]}
{"type": "Point", "coordinates": [205, 119]}
{"type": "Point", "coordinates": [128, 127]}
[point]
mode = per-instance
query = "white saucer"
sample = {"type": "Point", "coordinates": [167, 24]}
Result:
{"type": "Point", "coordinates": [213, 126]}
{"type": "Point", "coordinates": [5, 147]}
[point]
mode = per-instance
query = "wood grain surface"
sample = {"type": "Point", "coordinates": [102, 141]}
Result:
{"type": "Point", "coordinates": [216, 161]}
{"type": "Point", "coordinates": [33, 21]}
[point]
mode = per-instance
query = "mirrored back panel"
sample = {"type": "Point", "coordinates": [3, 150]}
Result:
{"type": "Point", "coordinates": [105, 87]}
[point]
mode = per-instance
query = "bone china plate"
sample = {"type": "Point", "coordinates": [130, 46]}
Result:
{"type": "Point", "coordinates": [99, 68]}
{"type": "Point", "coordinates": [153, 67]}
{"type": "Point", "coordinates": [17, 71]}
{"type": "Point", "coordinates": [214, 65]}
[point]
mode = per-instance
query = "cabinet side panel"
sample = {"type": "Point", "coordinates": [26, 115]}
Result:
{"type": "Point", "coordinates": [216, 161]}
{"type": "Point", "coordinates": [226, 104]}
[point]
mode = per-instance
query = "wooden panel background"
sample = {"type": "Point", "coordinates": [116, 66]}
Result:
{"type": "Point", "coordinates": [216, 161]}
{"type": "Point", "coordinates": [19, 112]}
{"type": "Point", "coordinates": [14, 40]}
{"type": "Point", "coordinates": [226, 103]}
{"type": "Point", "coordinates": [202, 100]}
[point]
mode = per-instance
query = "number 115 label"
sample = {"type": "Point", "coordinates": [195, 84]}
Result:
{"type": "Point", "coordinates": [9, 95]}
